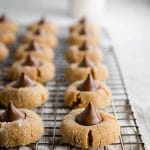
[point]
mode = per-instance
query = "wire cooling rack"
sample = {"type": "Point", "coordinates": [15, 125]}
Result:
{"type": "Point", "coordinates": [54, 110]}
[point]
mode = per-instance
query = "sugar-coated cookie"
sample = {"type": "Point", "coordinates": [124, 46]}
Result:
{"type": "Point", "coordinates": [76, 53]}
{"type": "Point", "coordinates": [42, 37]}
{"type": "Point", "coordinates": [45, 25]}
{"type": "Point", "coordinates": [40, 51]}
{"type": "Point", "coordinates": [89, 128]}
{"type": "Point", "coordinates": [19, 127]}
{"type": "Point", "coordinates": [6, 24]}
{"type": "Point", "coordinates": [85, 34]}
{"type": "Point", "coordinates": [24, 92]}
{"type": "Point", "coordinates": [80, 93]}
{"type": "Point", "coordinates": [3, 52]}
{"type": "Point", "coordinates": [83, 21]}
{"type": "Point", "coordinates": [38, 70]}
{"type": "Point", "coordinates": [7, 37]}
{"type": "Point", "coordinates": [80, 71]}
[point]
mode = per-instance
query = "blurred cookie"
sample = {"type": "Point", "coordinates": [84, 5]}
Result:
{"type": "Point", "coordinates": [76, 53]}
{"type": "Point", "coordinates": [45, 25]}
{"type": "Point", "coordinates": [42, 37]}
{"type": "Point", "coordinates": [38, 70]}
{"type": "Point", "coordinates": [77, 38]}
{"type": "Point", "coordinates": [6, 24]}
{"type": "Point", "coordinates": [3, 52]}
{"type": "Point", "coordinates": [38, 50]}
{"type": "Point", "coordinates": [80, 71]}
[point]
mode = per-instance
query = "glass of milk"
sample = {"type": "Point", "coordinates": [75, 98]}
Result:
{"type": "Point", "coordinates": [89, 8]}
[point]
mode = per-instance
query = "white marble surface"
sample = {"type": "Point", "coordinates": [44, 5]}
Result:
{"type": "Point", "coordinates": [129, 24]}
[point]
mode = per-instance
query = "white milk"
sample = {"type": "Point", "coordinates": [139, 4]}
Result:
{"type": "Point", "coordinates": [89, 8]}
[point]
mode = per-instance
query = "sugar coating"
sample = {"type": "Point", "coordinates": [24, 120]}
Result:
{"type": "Point", "coordinates": [78, 99]}
{"type": "Point", "coordinates": [28, 97]}
{"type": "Point", "coordinates": [22, 132]}
{"type": "Point", "coordinates": [94, 136]}
{"type": "Point", "coordinates": [73, 54]}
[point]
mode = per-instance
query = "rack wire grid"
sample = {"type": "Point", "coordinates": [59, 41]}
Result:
{"type": "Point", "coordinates": [55, 109]}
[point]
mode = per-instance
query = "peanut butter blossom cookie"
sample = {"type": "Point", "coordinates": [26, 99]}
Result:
{"type": "Point", "coordinates": [45, 25]}
{"type": "Point", "coordinates": [3, 52]}
{"type": "Point", "coordinates": [80, 93]}
{"type": "Point", "coordinates": [83, 21]}
{"type": "Point", "coordinates": [6, 24]}
{"type": "Point", "coordinates": [80, 71]}
{"type": "Point", "coordinates": [77, 38]}
{"type": "Point", "coordinates": [42, 37]}
{"type": "Point", "coordinates": [24, 93]}
{"type": "Point", "coordinates": [38, 70]}
{"type": "Point", "coordinates": [19, 127]}
{"type": "Point", "coordinates": [38, 50]}
{"type": "Point", "coordinates": [8, 30]}
{"type": "Point", "coordinates": [76, 53]}
{"type": "Point", "coordinates": [89, 128]}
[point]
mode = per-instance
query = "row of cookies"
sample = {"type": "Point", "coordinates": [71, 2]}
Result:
{"type": "Point", "coordinates": [33, 66]}
{"type": "Point", "coordinates": [8, 30]}
{"type": "Point", "coordinates": [86, 126]}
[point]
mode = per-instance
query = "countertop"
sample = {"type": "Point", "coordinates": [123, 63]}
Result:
{"type": "Point", "coordinates": [128, 23]}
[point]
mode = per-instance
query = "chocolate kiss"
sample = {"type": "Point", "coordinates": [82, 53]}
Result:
{"type": "Point", "coordinates": [33, 46]}
{"type": "Point", "coordinates": [42, 21]}
{"type": "Point", "coordinates": [83, 30]}
{"type": "Point", "coordinates": [88, 84]}
{"type": "Point", "coordinates": [11, 114]}
{"type": "Point", "coordinates": [83, 20]}
{"type": "Point", "coordinates": [89, 116]}
{"type": "Point", "coordinates": [84, 46]}
{"type": "Point", "coordinates": [30, 61]}
{"type": "Point", "coordinates": [23, 81]}
{"type": "Point", "coordinates": [39, 32]}
{"type": "Point", "coordinates": [3, 18]}
{"type": "Point", "coordinates": [86, 62]}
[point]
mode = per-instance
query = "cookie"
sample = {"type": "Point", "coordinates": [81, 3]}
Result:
{"type": "Point", "coordinates": [24, 92]}
{"type": "Point", "coordinates": [83, 21]}
{"type": "Point", "coordinates": [78, 38]}
{"type": "Point", "coordinates": [19, 127]}
{"type": "Point", "coordinates": [76, 53]}
{"type": "Point", "coordinates": [42, 37]}
{"type": "Point", "coordinates": [80, 71]}
{"type": "Point", "coordinates": [89, 128]}
{"type": "Point", "coordinates": [40, 51]}
{"type": "Point", "coordinates": [45, 25]}
{"type": "Point", "coordinates": [3, 52]}
{"type": "Point", "coordinates": [38, 70]}
{"type": "Point", "coordinates": [7, 37]}
{"type": "Point", "coordinates": [6, 24]}
{"type": "Point", "coordinates": [80, 93]}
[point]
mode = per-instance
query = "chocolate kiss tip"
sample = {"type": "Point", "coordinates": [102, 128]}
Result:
{"type": "Point", "coordinates": [84, 46]}
{"type": "Point", "coordinates": [33, 46]}
{"type": "Point", "coordinates": [42, 20]}
{"type": "Point", "coordinates": [11, 114]}
{"type": "Point", "coordinates": [83, 20]}
{"type": "Point", "coordinates": [30, 61]}
{"type": "Point", "coordinates": [86, 62]}
{"type": "Point", "coordinates": [83, 30]}
{"type": "Point", "coordinates": [88, 84]}
{"type": "Point", "coordinates": [89, 116]}
{"type": "Point", "coordinates": [39, 32]}
{"type": "Point", "coordinates": [3, 17]}
{"type": "Point", "coordinates": [23, 81]}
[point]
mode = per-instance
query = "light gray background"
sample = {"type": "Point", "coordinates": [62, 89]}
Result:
{"type": "Point", "coordinates": [129, 24]}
